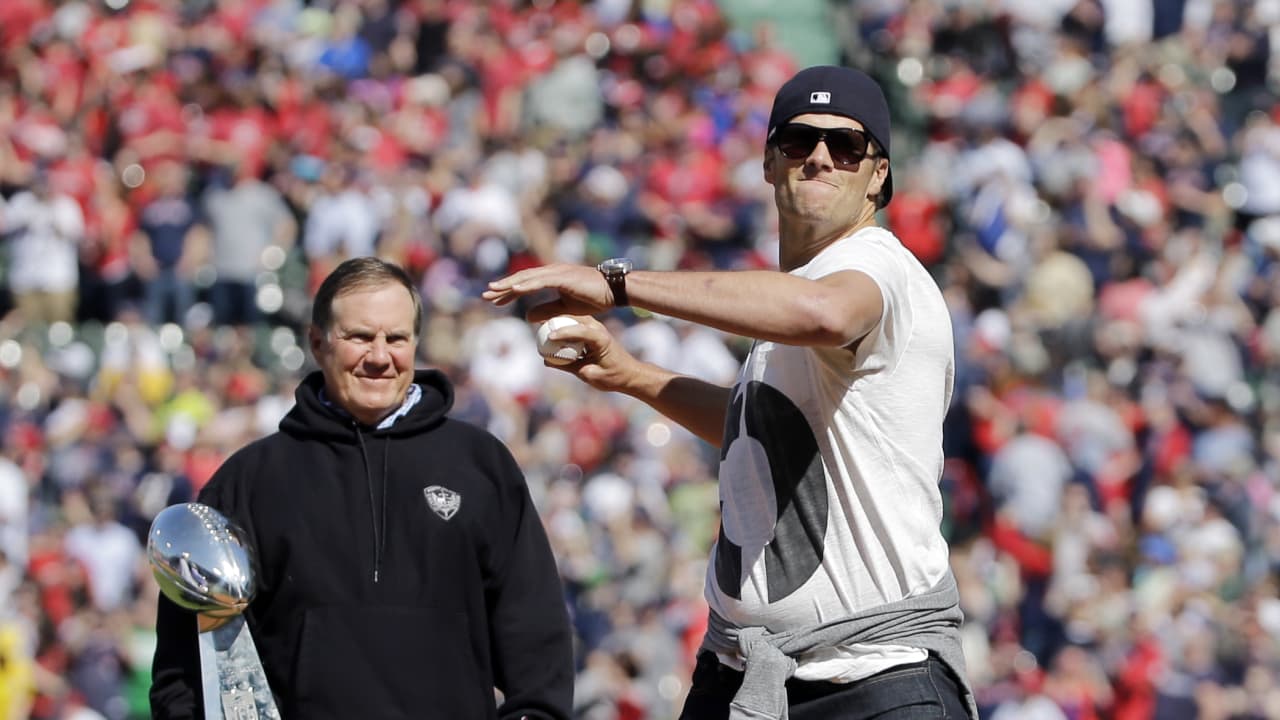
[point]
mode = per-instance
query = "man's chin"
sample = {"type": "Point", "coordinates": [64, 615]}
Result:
{"type": "Point", "coordinates": [373, 416]}
{"type": "Point", "coordinates": [376, 405]}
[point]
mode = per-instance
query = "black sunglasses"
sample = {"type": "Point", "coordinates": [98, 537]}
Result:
{"type": "Point", "coordinates": [846, 145]}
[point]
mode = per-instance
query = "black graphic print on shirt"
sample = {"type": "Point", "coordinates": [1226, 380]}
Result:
{"type": "Point", "coordinates": [770, 419]}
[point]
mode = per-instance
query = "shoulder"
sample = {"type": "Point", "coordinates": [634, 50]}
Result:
{"type": "Point", "coordinates": [877, 243]}
{"type": "Point", "coordinates": [256, 449]}
{"type": "Point", "coordinates": [873, 251]}
{"type": "Point", "coordinates": [252, 466]}
{"type": "Point", "coordinates": [469, 439]}
{"type": "Point", "coordinates": [253, 457]}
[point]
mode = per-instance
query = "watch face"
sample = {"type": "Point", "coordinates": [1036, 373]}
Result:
{"type": "Point", "coordinates": [615, 266]}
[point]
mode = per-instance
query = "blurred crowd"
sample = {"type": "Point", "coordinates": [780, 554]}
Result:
{"type": "Point", "coordinates": [1094, 183]}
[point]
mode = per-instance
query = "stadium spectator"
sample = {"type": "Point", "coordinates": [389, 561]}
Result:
{"type": "Point", "coordinates": [45, 230]}
{"type": "Point", "coordinates": [171, 246]}
{"type": "Point", "coordinates": [246, 221]}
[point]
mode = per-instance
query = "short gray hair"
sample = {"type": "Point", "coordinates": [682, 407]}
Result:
{"type": "Point", "coordinates": [362, 273]}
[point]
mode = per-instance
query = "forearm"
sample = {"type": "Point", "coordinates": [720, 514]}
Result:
{"type": "Point", "coordinates": [697, 405]}
{"type": "Point", "coordinates": [767, 305]}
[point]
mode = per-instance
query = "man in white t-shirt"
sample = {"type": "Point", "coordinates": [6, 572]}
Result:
{"type": "Point", "coordinates": [830, 590]}
{"type": "Point", "coordinates": [45, 228]}
{"type": "Point", "coordinates": [110, 552]}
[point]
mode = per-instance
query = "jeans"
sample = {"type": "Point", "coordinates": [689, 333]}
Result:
{"type": "Point", "coordinates": [907, 692]}
{"type": "Point", "coordinates": [168, 296]}
{"type": "Point", "coordinates": [234, 303]}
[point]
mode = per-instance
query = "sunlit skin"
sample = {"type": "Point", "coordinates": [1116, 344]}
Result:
{"type": "Point", "coordinates": [367, 354]}
{"type": "Point", "coordinates": [819, 201]}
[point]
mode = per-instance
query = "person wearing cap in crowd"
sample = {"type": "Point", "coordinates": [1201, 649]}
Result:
{"type": "Point", "coordinates": [402, 568]}
{"type": "Point", "coordinates": [830, 589]}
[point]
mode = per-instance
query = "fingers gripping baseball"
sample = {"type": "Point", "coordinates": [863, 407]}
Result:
{"type": "Point", "coordinates": [603, 363]}
{"type": "Point", "coordinates": [568, 339]}
{"type": "Point", "coordinates": [559, 352]}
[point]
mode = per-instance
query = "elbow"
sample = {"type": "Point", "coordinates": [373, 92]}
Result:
{"type": "Point", "coordinates": [827, 323]}
{"type": "Point", "coordinates": [838, 331]}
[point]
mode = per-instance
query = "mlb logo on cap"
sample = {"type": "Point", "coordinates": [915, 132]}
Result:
{"type": "Point", "coordinates": [820, 98]}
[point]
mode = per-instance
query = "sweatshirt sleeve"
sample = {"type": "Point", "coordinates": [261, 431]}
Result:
{"type": "Point", "coordinates": [528, 620]}
{"type": "Point", "coordinates": [175, 668]}
{"type": "Point", "coordinates": [176, 680]}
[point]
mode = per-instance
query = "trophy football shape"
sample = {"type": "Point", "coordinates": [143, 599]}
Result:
{"type": "Point", "coordinates": [204, 564]}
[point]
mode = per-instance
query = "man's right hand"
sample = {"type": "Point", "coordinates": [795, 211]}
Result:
{"type": "Point", "coordinates": [582, 290]}
{"type": "Point", "coordinates": [607, 365]}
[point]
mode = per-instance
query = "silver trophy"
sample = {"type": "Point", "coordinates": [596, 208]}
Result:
{"type": "Point", "coordinates": [203, 563]}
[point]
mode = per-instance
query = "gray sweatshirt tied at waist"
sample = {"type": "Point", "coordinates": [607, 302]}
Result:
{"type": "Point", "coordinates": [929, 621]}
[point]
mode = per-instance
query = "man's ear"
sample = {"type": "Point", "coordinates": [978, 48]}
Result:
{"type": "Point", "coordinates": [878, 178]}
{"type": "Point", "coordinates": [315, 338]}
{"type": "Point", "coordinates": [769, 162]}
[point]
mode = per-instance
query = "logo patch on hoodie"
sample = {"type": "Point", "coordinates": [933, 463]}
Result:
{"type": "Point", "coordinates": [442, 501]}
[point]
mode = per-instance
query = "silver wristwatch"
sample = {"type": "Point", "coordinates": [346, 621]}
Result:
{"type": "Point", "coordinates": [615, 272]}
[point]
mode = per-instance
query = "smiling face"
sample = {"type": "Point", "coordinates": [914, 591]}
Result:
{"type": "Point", "coordinates": [367, 352]}
{"type": "Point", "coordinates": [816, 191]}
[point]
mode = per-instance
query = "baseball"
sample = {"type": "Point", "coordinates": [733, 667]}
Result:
{"type": "Point", "coordinates": [559, 352]}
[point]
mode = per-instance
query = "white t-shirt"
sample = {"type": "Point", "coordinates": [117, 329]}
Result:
{"type": "Point", "coordinates": [347, 222]}
{"type": "Point", "coordinates": [45, 255]}
{"type": "Point", "coordinates": [110, 553]}
{"type": "Point", "coordinates": [830, 465]}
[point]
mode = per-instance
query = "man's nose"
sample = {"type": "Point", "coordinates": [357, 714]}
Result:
{"type": "Point", "coordinates": [379, 350]}
{"type": "Point", "coordinates": [820, 156]}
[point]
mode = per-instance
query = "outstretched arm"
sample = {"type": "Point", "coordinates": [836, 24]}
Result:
{"type": "Point", "coordinates": [832, 311]}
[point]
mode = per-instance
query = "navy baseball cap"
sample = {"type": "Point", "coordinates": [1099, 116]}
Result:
{"type": "Point", "coordinates": [836, 90]}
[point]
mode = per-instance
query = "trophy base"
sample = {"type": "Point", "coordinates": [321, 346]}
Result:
{"type": "Point", "coordinates": [235, 685]}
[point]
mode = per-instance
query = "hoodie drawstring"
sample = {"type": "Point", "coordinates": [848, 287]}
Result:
{"type": "Point", "coordinates": [382, 545]}
{"type": "Point", "coordinates": [379, 526]}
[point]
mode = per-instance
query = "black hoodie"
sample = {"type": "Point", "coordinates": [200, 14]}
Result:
{"type": "Point", "coordinates": [401, 572]}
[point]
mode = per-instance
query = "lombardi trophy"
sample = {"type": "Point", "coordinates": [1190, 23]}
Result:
{"type": "Point", "coordinates": [204, 564]}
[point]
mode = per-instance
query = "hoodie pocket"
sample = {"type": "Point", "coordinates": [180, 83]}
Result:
{"type": "Point", "coordinates": [387, 662]}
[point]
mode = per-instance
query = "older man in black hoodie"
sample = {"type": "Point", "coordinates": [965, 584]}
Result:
{"type": "Point", "coordinates": [403, 571]}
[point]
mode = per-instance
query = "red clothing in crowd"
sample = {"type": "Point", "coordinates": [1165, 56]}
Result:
{"type": "Point", "coordinates": [305, 122]}
{"type": "Point", "coordinates": [1135, 685]}
{"type": "Point", "coordinates": [18, 21]}
{"type": "Point", "coordinates": [35, 133]}
{"type": "Point", "coordinates": [952, 92]}
{"type": "Point", "coordinates": [688, 176]}
{"type": "Point", "coordinates": [917, 219]}
{"type": "Point", "coordinates": [249, 130]}
{"type": "Point", "coordinates": [1141, 107]}
{"type": "Point", "coordinates": [103, 35]}
{"type": "Point", "coordinates": [151, 122]}
{"type": "Point", "coordinates": [62, 78]}
{"type": "Point", "coordinates": [108, 231]}
{"type": "Point", "coordinates": [76, 175]}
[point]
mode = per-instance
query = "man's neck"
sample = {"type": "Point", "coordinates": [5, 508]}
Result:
{"type": "Point", "coordinates": [800, 242]}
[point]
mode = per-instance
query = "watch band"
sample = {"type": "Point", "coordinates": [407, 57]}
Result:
{"type": "Point", "coordinates": [618, 285]}
{"type": "Point", "coordinates": [615, 272]}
